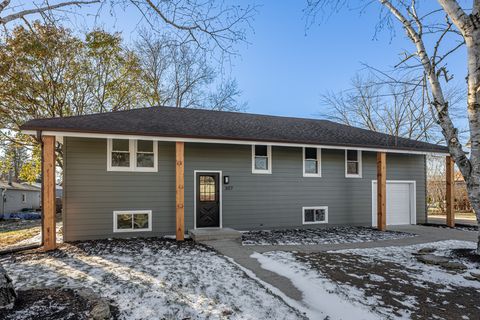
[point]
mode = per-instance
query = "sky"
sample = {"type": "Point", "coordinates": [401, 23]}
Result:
{"type": "Point", "coordinates": [284, 68]}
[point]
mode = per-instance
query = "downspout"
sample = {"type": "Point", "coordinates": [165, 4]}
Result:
{"type": "Point", "coordinates": [39, 138]}
{"type": "Point", "coordinates": [4, 198]}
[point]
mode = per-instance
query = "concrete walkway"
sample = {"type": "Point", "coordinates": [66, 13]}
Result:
{"type": "Point", "coordinates": [241, 254]}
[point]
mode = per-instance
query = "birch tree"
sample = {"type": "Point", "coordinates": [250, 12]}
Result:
{"type": "Point", "coordinates": [452, 21]}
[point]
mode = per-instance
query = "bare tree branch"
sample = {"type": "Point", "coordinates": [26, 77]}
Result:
{"type": "Point", "coordinates": [21, 14]}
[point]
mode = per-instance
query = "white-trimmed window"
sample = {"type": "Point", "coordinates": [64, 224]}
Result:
{"type": "Point", "coordinates": [24, 198]}
{"type": "Point", "coordinates": [312, 164]}
{"type": "Point", "coordinates": [353, 163]}
{"type": "Point", "coordinates": [132, 221]}
{"type": "Point", "coordinates": [132, 155]}
{"type": "Point", "coordinates": [313, 215]}
{"type": "Point", "coordinates": [261, 159]}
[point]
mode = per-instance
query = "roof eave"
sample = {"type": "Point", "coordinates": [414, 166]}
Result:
{"type": "Point", "coordinates": [219, 140]}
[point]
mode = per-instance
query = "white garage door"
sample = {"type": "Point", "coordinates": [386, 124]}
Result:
{"type": "Point", "coordinates": [400, 203]}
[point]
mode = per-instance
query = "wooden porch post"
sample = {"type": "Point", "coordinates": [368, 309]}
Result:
{"type": "Point", "coordinates": [381, 191]}
{"type": "Point", "coordinates": [180, 190]}
{"type": "Point", "coordinates": [48, 193]}
{"type": "Point", "coordinates": [450, 188]}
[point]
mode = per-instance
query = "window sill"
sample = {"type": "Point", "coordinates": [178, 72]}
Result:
{"type": "Point", "coordinates": [353, 176]}
{"type": "Point", "coordinates": [132, 230]}
{"type": "Point", "coordinates": [262, 172]}
{"type": "Point", "coordinates": [316, 222]}
{"type": "Point", "coordinates": [125, 169]}
{"type": "Point", "coordinates": [312, 175]}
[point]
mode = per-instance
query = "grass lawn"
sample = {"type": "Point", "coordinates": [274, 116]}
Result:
{"type": "Point", "coordinates": [13, 232]}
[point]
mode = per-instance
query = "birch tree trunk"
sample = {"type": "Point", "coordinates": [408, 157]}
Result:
{"type": "Point", "coordinates": [469, 27]}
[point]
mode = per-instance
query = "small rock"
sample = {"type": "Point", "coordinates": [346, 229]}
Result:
{"type": "Point", "coordinates": [432, 259]}
{"type": "Point", "coordinates": [87, 294]}
{"type": "Point", "coordinates": [426, 250]}
{"type": "Point", "coordinates": [7, 291]}
{"type": "Point", "coordinates": [475, 275]}
{"type": "Point", "coordinates": [101, 310]}
{"type": "Point", "coordinates": [471, 278]}
{"type": "Point", "coordinates": [451, 265]}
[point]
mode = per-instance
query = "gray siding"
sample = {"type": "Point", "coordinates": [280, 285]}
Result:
{"type": "Point", "coordinates": [91, 194]}
{"type": "Point", "coordinates": [255, 200]}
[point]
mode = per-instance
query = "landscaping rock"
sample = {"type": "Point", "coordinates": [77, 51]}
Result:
{"type": "Point", "coordinates": [451, 265]}
{"type": "Point", "coordinates": [7, 291]}
{"type": "Point", "coordinates": [475, 275]}
{"type": "Point", "coordinates": [100, 307]}
{"type": "Point", "coordinates": [432, 259]}
{"type": "Point", "coordinates": [426, 250]}
{"type": "Point", "coordinates": [101, 310]}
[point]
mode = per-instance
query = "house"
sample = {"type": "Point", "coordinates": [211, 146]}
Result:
{"type": "Point", "coordinates": [162, 170]}
{"type": "Point", "coordinates": [17, 196]}
{"type": "Point", "coordinates": [58, 195]}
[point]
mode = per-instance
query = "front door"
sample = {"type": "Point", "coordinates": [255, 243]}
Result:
{"type": "Point", "coordinates": [208, 200]}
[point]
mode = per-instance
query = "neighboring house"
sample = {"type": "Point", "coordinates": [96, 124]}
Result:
{"type": "Point", "coordinates": [58, 189]}
{"type": "Point", "coordinates": [238, 170]}
{"type": "Point", "coordinates": [17, 196]}
{"type": "Point", "coordinates": [58, 195]}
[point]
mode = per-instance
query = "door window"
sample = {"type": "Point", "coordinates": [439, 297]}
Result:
{"type": "Point", "coordinates": [207, 188]}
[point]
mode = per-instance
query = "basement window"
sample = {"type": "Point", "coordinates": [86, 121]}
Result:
{"type": "Point", "coordinates": [132, 221]}
{"type": "Point", "coordinates": [314, 215]}
{"type": "Point", "coordinates": [261, 159]}
{"type": "Point", "coordinates": [312, 162]}
{"type": "Point", "coordinates": [353, 163]}
{"type": "Point", "coordinates": [132, 155]}
{"type": "Point", "coordinates": [24, 197]}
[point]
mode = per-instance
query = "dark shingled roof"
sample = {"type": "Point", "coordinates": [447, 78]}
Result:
{"type": "Point", "coordinates": [207, 124]}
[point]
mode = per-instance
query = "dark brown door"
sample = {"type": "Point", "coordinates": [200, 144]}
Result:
{"type": "Point", "coordinates": [208, 200]}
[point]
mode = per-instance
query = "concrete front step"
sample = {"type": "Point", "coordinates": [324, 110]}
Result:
{"type": "Point", "coordinates": [214, 234]}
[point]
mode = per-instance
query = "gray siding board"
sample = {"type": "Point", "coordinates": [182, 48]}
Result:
{"type": "Point", "coordinates": [256, 200]}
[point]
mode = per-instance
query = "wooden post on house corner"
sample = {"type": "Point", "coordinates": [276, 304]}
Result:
{"type": "Point", "coordinates": [180, 190]}
{"type": "Point", "coordinates": [381, 191]}
{"type": "Point", "coordinates": [48, 193]}
{"type": "Point", "coordinates": [450, 189]}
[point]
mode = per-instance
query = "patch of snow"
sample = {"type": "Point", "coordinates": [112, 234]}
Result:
{"type": "Point", "coordinates": [319, 294]}
{"type": "Point", "coordinates": [330, 235]}
{"type": "Point", "coordinates": [376, 278]}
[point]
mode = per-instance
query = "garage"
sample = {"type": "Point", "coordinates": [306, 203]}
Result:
{"type": "Point", "coordinates": [401, 203]}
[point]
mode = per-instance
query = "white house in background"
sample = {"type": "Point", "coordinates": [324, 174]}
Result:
{"type": "Point", "coordinates": [17, 196]}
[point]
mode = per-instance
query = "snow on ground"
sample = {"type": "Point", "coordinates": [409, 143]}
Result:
{"type": "Point", "coordinates": [320, 296]}
{"type": "Point", "coordinates": [425, 272]}
{"type": "Point", "coordinates": [153, 279]}
{"type": "Point", "coordinates": [379, 283]}
{"type": "Point", "coordinates": [328, 235]}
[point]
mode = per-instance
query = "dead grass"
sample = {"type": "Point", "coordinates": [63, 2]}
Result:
{"type": "Point", "coordinates": [15, 231]}
{"type": "Point", "coordinates": [12, 237]}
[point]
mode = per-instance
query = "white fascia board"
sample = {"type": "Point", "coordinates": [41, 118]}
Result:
{"type": "Point", "coordinates": [61, 134]}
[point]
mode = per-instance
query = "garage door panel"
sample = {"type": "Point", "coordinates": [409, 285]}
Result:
{"type": "Point", "coordinates": [399, 203]}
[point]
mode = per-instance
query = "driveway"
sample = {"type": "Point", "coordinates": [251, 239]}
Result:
{"type": "Point", "coordinates": [376, 279]}
{"type": "Point", "coordinates": [464, 220]}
